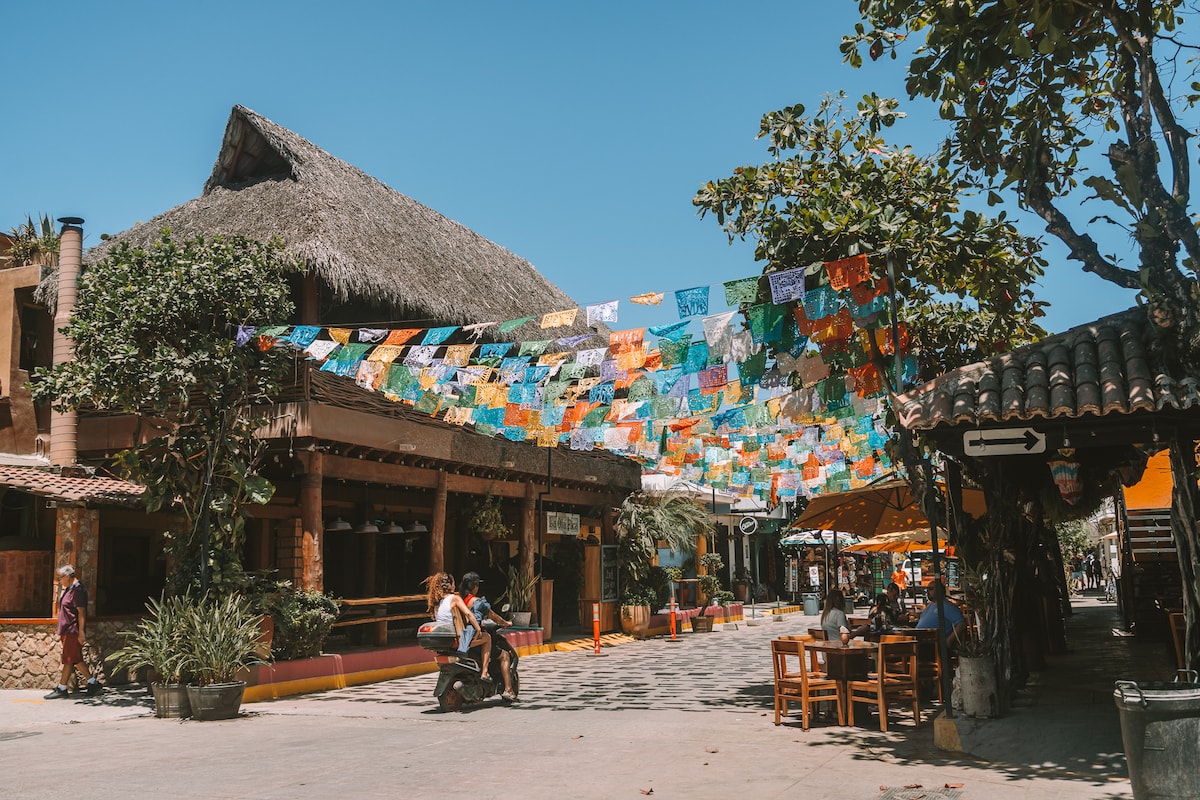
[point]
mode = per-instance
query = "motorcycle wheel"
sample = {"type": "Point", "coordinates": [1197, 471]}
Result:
{"type": "Point", "coordinates": [451, 700]}
{"type": "Point", "coordinates": [516, 683]}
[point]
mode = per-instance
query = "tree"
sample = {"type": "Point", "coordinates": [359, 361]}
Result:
{"type": "Point", "coordinates": [835, 188]}
{"type": "Point", "coordinates": [1032, 88]}
{"type": "Point", "coordinates": [1047, 97]}
{"type": "Point", "coordinates": [154, 335]}
{"type": "Point", "coordinates": [646, 518]}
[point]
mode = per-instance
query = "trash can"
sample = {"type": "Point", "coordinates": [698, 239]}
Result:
{"type": "Point", "coordinates": [1160, 728]}
{"type": "Point", "coordinates": [812, 604]}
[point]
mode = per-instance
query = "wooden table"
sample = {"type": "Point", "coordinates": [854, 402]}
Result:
{"type": "Point", "coordinates": [845, 663]}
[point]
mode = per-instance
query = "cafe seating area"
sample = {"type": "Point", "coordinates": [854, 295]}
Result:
{"type": "Point", "coordinates": [898, 669]}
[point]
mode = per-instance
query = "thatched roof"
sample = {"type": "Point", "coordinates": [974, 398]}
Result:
{"type": "Point", "coordinates": [362, 238]}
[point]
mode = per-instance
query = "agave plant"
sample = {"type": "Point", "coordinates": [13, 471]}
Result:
{"type": "Point", "coordinates": [34, 243]}
{"type": "Point", "coordinates": [157, 642]}
{"type": "Point", "coordinates": [220, 637]}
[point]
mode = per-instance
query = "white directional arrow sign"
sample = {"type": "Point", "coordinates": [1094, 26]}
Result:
{"type": "Point", "coordinates": [1004, 442]}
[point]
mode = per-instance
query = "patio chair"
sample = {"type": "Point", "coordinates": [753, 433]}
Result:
{"type": "Point", "coordinates": [894, 678]}
{"type": "Point", "coordinates": [796, 685]}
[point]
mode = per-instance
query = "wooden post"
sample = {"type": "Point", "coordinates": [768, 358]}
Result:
{"type": "Point", "coordinates": [437, 528]}
{"type": "Point", "coordinates": [312, 542]}
{"type": "Point", "coordinates": [529, 522]}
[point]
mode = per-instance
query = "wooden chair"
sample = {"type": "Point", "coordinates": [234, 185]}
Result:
{"type": "Point", "coordinates": [929, 663]}
{"type": "Point", "coordinates": [895, 678]}
{"type": "Point", "coordinates": [814, 664]}
{"type": "Point", "coordinates": [797, 685]}
{"type": "Point", "coordinates": [1178, 625]}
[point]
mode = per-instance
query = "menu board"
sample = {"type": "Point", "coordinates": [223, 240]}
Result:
{"type": "Point", "coordinates": [609, 591]}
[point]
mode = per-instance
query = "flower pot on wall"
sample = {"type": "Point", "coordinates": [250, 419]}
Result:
{"type": "Point", "coordinates": [521, 619]}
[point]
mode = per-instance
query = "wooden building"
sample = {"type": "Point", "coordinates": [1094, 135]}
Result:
{"type": "Point", "coordinates": [371, 495]}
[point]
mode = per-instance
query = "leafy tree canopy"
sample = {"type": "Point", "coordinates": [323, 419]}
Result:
{"type": "Point", "coordinates": [835, 188]}
{"type": "Point", "coordinates": [153, 332]}
{"type": "Point", "coordinates": [1032, 87]}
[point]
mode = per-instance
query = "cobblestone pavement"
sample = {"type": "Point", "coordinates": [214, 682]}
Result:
{"type": "Point", "coordinates": [694, 721]}
{"type": "Point", "coordinates": [724, 670]}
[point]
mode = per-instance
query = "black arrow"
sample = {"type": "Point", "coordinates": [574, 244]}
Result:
{"type": "Point", "coordinates": [1030, 440]}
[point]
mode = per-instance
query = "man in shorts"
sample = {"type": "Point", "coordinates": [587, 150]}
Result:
{"type": "Point", "coordinates": [72, 630]}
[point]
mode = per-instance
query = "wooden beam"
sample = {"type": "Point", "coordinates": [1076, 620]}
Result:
{"type": "Point", "coordinates": [312, 544]}
{"type": "Point", "coordinates": [365, 471]}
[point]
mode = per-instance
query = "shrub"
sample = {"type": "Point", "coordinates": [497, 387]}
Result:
{"type": "Point", "coordinates": [303, 619]}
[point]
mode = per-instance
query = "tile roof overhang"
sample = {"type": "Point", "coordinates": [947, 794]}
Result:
{"type": "Point", "coordinates": [55, 485]}
{"type": "Point", "coordinates": [1093, 371]}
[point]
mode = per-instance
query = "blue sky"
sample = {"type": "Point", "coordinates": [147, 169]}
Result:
{"type": "Point", "coordinates": [572, 134]}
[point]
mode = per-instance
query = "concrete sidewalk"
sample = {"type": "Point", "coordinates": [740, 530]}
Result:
{"type": "Point", "coordinates": [687, 719]}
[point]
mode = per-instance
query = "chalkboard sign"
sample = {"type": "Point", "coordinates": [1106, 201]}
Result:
{"type": "Point", "coordinates": [609, 591]}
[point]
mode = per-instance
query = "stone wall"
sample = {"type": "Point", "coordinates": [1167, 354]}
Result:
{"type": "Point", "coordinates": [31, 655]}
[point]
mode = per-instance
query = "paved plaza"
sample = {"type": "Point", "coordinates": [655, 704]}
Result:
{"type": "Point", "coordinates": [688, 719]}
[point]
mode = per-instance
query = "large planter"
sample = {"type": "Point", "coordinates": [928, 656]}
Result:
{"type": "Point", "coordinates": [217, 700]}
{"type": "Point", "coordinates": [171, 700]}
{"type": "Point", "coordinates": [635, 621]}
{"type": "Point", "coordinates": [702, 624]}
{"type": "Point", "coordinates": [977, 686]}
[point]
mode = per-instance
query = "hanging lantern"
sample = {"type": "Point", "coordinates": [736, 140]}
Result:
{"type": "Point", "coordinates": [1065, 471]}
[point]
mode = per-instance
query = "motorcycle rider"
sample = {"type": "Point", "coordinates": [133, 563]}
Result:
{"type": "Point", "coordinates": [482, 610]}
{"type": "Point", "coordinates": [442, 604]}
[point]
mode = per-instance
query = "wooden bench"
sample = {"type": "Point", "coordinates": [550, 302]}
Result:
{"type": "Point", "coordinates": [375, 611]}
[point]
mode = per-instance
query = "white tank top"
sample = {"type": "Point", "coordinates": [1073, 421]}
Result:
{"type": "Point", "coordinates": [444, 615]}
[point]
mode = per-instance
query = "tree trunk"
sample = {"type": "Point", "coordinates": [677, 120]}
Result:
{"type": "Point", "coordinates": [1187, 540]}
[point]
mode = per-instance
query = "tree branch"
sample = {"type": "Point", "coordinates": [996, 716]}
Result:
{"type": "Point", "coordinates": [1083, 247]}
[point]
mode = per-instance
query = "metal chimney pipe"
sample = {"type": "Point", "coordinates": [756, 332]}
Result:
{"type": "Point", "coordinates": [64, 425]}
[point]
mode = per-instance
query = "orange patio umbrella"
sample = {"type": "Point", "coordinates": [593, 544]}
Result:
{"type": "Point", "coordinates": [901, 542]}
{"type": "Point", "coordinates": [884, 507]}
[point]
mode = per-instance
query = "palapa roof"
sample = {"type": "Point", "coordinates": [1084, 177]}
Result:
{"type": "Point", "coordinates": [1101, 368]}
{"type": "Point", "coordinates": [361, 237]}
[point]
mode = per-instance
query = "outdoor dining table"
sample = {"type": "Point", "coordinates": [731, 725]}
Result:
{"type": "Point", "coordinates": [845, 662]}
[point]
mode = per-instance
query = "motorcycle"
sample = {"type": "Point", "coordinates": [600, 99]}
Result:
{"type": "Point", "coordinates": [460, 682]}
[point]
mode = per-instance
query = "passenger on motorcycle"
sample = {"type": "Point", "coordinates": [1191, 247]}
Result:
{"type": "Point", "coordinates": [482, 610]}
{"type": "Point", "coordinates": [442, 604]}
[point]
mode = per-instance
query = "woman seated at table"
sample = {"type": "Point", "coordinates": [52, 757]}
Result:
{"type": "Point", "coordinates": [834, 619]}
{"type": "Point", "coordinates": [882, 616]}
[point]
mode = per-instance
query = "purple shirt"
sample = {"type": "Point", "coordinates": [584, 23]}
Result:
{"type": "Point", "coordinates": [69, 604]}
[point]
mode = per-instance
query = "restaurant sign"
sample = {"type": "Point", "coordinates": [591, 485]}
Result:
{"type": "Point", "coordinates": [562, 523]}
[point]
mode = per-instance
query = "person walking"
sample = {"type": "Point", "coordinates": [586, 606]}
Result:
{"type": "Point", "coordinates": [72, 631]}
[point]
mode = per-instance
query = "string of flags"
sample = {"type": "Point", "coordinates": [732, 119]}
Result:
{"type": "Point", "coordinates": [745, 401]}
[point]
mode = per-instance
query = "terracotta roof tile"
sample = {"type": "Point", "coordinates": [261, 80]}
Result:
{"type": "Point", "coordinates": [1095, 369]}
{"type": "Point", "coordinates": [54, 485]}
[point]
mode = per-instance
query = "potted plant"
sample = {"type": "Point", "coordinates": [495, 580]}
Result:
{"type": "Point", "coordinates": [487, 518]}
{"type": "Point", "coordinates": [220, 637]}
{"type": "Point", "coordinates": [636, 603]}
{"type": "Point", "coordinates": [741, 584]}
{"type": "Point", "coordinates": [519, 595]}
{"type": "Point", "coordinates": [157, 645]}
{"type": "Point", "coordinates": [710, 583]}
{"type": "Point", "coordinates": [977, 688]}
{"type": "Point", "coordinates": [302, 619]}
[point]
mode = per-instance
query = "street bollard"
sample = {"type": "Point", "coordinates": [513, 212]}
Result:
{"type": "Point", "coordinates": [596, 631]}
{"type": "Point", "coordinates": [674, 626]}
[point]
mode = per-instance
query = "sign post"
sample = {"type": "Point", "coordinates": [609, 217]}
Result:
{"type": "Point", "coordinates": [1004, 442]}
